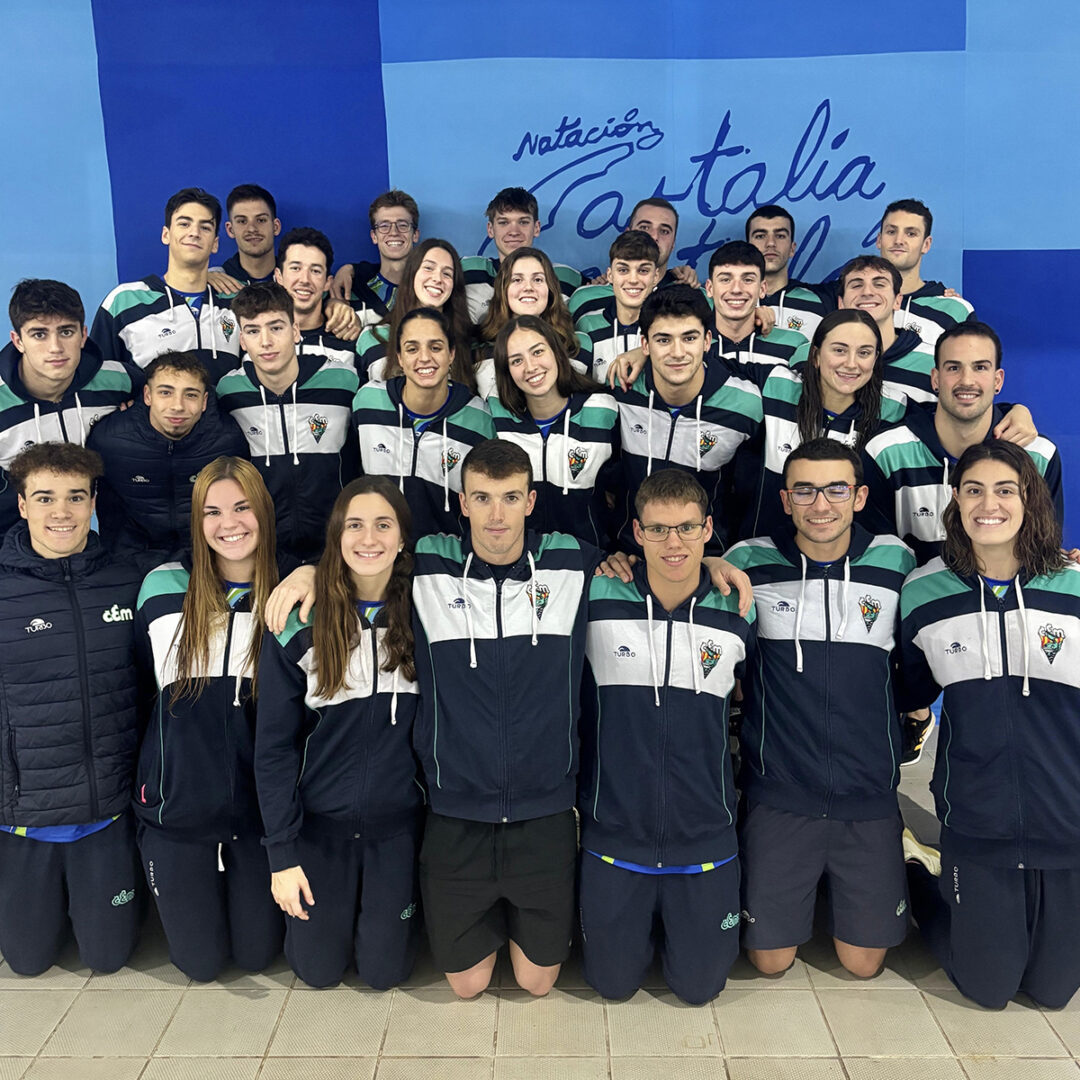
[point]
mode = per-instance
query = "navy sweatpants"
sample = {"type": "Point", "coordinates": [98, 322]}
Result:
{"type": "Point", "coordinates": [209, 914]}
{"type": "Point", "coordinates": [367, 901]}
{"type": "Point", "coordinates": [91, 884]}
{"type": "Point", "coordinates": [999, 930]}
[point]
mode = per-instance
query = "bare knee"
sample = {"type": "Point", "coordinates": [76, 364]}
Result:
{"type": "Point", "coordinates": [535, 978]}
{"type": "Point", "coordinates": [473, 981]}
{"type": "Point", "coordinates": [772, 961]}
{"type": "Point", "coordinates": [862, 963]}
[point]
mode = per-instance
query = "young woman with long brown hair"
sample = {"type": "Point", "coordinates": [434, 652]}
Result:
{"type": "Point", "coordinates": [199, 629]}
{"type": "Point", "coordinates": [995, 624]}
{"type": "Point", "coordinates": [334, 763]}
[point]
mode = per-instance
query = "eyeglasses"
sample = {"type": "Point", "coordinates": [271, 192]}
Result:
{"type": "Point", "coordinates": [688, 530]}
{"type": "Point", "coordinates": [806, 495]}
{"type": "Point", "coordinates": [384, 228]}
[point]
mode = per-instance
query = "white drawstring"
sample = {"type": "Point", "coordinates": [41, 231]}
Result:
{"type": "Point", "coordinates": [844, 598]}
{"type": "Point", "coordinates": [266, 422]}
{"type": "Point", "coordinates": [566, 450]}
{"type": "Point", "coordinates": [172, 310]}
{"type": "Point", "coordinates": [652, 652]}
{"type": "Point", "coordinates": [945, 472]}
{"type": "Point", "coordinates": [535, 594]}
{"type": "Point", "coordinates": [295, 436]}
{"type": "Point", "coordinates": [236, 689]}
{"type": "Point", "coordinates": [213, 323]}
{"type": "Point", "coordinates": [988, 672]}
{"type": "Point", "coordinates": [1024, 628]}
{"type": "Point", "coordinates": [750, 359]}
{"type": "Point", "coordinates": [468, 610]}
{"type": "Point", "coordinates": [37, 422]}
{"type": "Point", "coordinates": [648, 421]}
{"type": "Point", "coordinates": [445, 471]}
{"type": "Point", "coordinates": [393, 698]}
{"type": "Point", "coordinates": [401, 447]}
{"type": "Point", "coordinates": [780, 320]}
{"type": "Point", "coordinates": [799, 614]}
{"type": "Point", "coordinates": [697, 433]}
{"type": "Point", "coordinates": [907, 306]}
{"type": "Point", "coordinates": [78, 413]}
{"type": "Point", "coordinates": [693, 648]}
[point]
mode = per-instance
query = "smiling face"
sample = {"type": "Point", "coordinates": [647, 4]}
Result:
{"type": "Point", "coordinates": [191, 236]}
{"type": "Point", "coordinates": [370, 542]}
{"type": "Point", "coordinates": [303, 275]}
{"type": "Point", "coordinates": [871, 291]}
{"type": "Point", "coordinates": [991, 507]}
{"type": "Point", "coordinates": [512, 229]}
{"type": "Point", "coordinates": [527, 291]}
{"type": "Point", "coordinates": [253, 226]}
{"type": "Point", "coordinates": [57, 508]}
{"type": "Point", "coordinates": [676, 348]}
{"type": "Point", "coordinates": [903, 240]}
{"type": "Point", "coordinates": [497, 510]}
{"type": "Point", "coordinates": [632, 280]}
{"type": "Point", "coordinates": [176, 400]}
{"type": "Point", "coordinates": [824, 526]}
{"type": "Point", "coordinates": [533, 366]}
{"type": "Point", "coordinates": [51, 346]}
{"type": "Point", "coordinates": [424, 353]}
{"type": "Point", "coordinates": [735, 291]}
{"type": "Point", "coordinates": [967, 377]}
{"type": "Point", "coordinates": [674, 561]}
{"type": "Point", "coordinates": [231, 530]}
{"type": "Point", "coordinates": [394, 232]}
{"type": "Point", "coordinates": [660, 224]}
{"type": "Point", "coordinates": [845, 361]}
{"type": "Point", "coordinates": [434, 280]}
{"type": "Point", "coordinates": [773, 238]}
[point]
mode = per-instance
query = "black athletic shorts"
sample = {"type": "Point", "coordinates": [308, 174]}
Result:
{"type": "Point", "coordinates": [483, 883]}
{"type": "Point", "coordinates": [785, 856]}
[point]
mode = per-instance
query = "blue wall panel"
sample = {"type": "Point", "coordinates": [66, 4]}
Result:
{"type": "Point", "coordinates": [212, 95]}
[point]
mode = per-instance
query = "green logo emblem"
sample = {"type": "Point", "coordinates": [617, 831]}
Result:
{"type": "Point", "coordinates": [870, 610]}
{"type": "Point", "coordinates": [710, 654]}
{"type": "Point", "coordinates": [577, 458]}
{"type": "Point", "coordinates": [409, 912]}
{"type": "Point", "coordinates": [449, 460]}
{"type": "Point", "coordinates": [539, 601]}
{"type": "Point", "coordinates": [123, 897]}
{"type": "Point", "coordinates": [1050, 641]}
{"type": "Point", "coordinates": [901, 907]}
{"type": "Point", "coordinates": [318, 425]}
{"type": "Point", "coordinates": [228, 325]}
{"type": "Point", "coordinates": [730, 921]}
{"type": "Point", "coordinates": [706, 443]}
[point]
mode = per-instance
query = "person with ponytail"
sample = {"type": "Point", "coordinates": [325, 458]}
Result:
{"type": "Point", "coordinates": [199, 628]}
{"type": "Point", "coordinates": [334, 765]}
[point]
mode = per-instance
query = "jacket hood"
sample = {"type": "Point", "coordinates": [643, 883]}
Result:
{"type": "Point", "coordinates": [17, 554]}
{"type": "Point", "coordinates": [785, 544]}
{"type": "Point", "coordinates": [906, 340]}
{"type": "Point", "coordinates": [460, 395]}
{"type": "Point", "coordinates": [89, 365]}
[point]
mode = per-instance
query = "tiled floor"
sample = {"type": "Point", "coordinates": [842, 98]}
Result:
{"type": "Point", "coordinates": [813, 1023]}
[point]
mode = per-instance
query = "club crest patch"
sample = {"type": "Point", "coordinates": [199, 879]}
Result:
{"type": "Point", "coordinates": [870, 609]}
{"type": "Point", "coordinates": [317, 424]}
{"type": "Point", "coordinates": [1050, 641]}
{"type": "Point", "coordinates": [795, 323]}
{"type": "Point", "coordinates": [710, 654]}
{"type": "Point", "coordinates": [577, 458]}
{"type": "Point", "coordinates": [539, 601]}
{"type": "Point", "coordinates": [706, 443]}
{"type": "Point", "coordinates": [449, 460]}
{"type": "Point", "coordinates": [228, 325]}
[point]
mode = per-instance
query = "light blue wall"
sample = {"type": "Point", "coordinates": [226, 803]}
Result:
{"type": "Point", "coordinates": [56, 212]}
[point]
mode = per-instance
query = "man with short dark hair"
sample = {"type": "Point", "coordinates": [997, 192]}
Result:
{"type": "Point", "coordinates": [54, 384]}
{"type": "Point", "coordinates": [179, 311]}
{"type": "Point", "coordinates": [680, 411]}
{"type": "Point", "coordinates": [736, 287]}
{"type": "Point", "coordinates": [152, 453]}
{"type": "Point", "coordinates": [612, 324]}
{"type": "Point", "coordinates": [908, 463]}
{"type": "Point", "coordinates": [796, 305]}
{"type": "Point", "coordinates": [296, 414]}
{"type": "Point", "coordinates": [303, 270]}
{"type": "Point", "coordinates": [658, 825]}
{"type": "Point", "coordinates": [513, 221]}
{"type": "Point", "coordinates": [371, 287]}
{"type": "Point", "coordinates": [253, 223]}
{"type": "Point", "coordinates": [68, 741]}
{"type": "Point", "coordinates": [820, 732]}
{"type": "Point", "coordinates": [904, 238]}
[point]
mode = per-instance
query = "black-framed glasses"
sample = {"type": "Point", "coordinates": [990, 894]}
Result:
{"type": "Point", "coordinates": [688, 530]}
{"type": "Point", "coordinates": [806, 494]}
{"type": "Point", "coordinates": [387, 227]}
